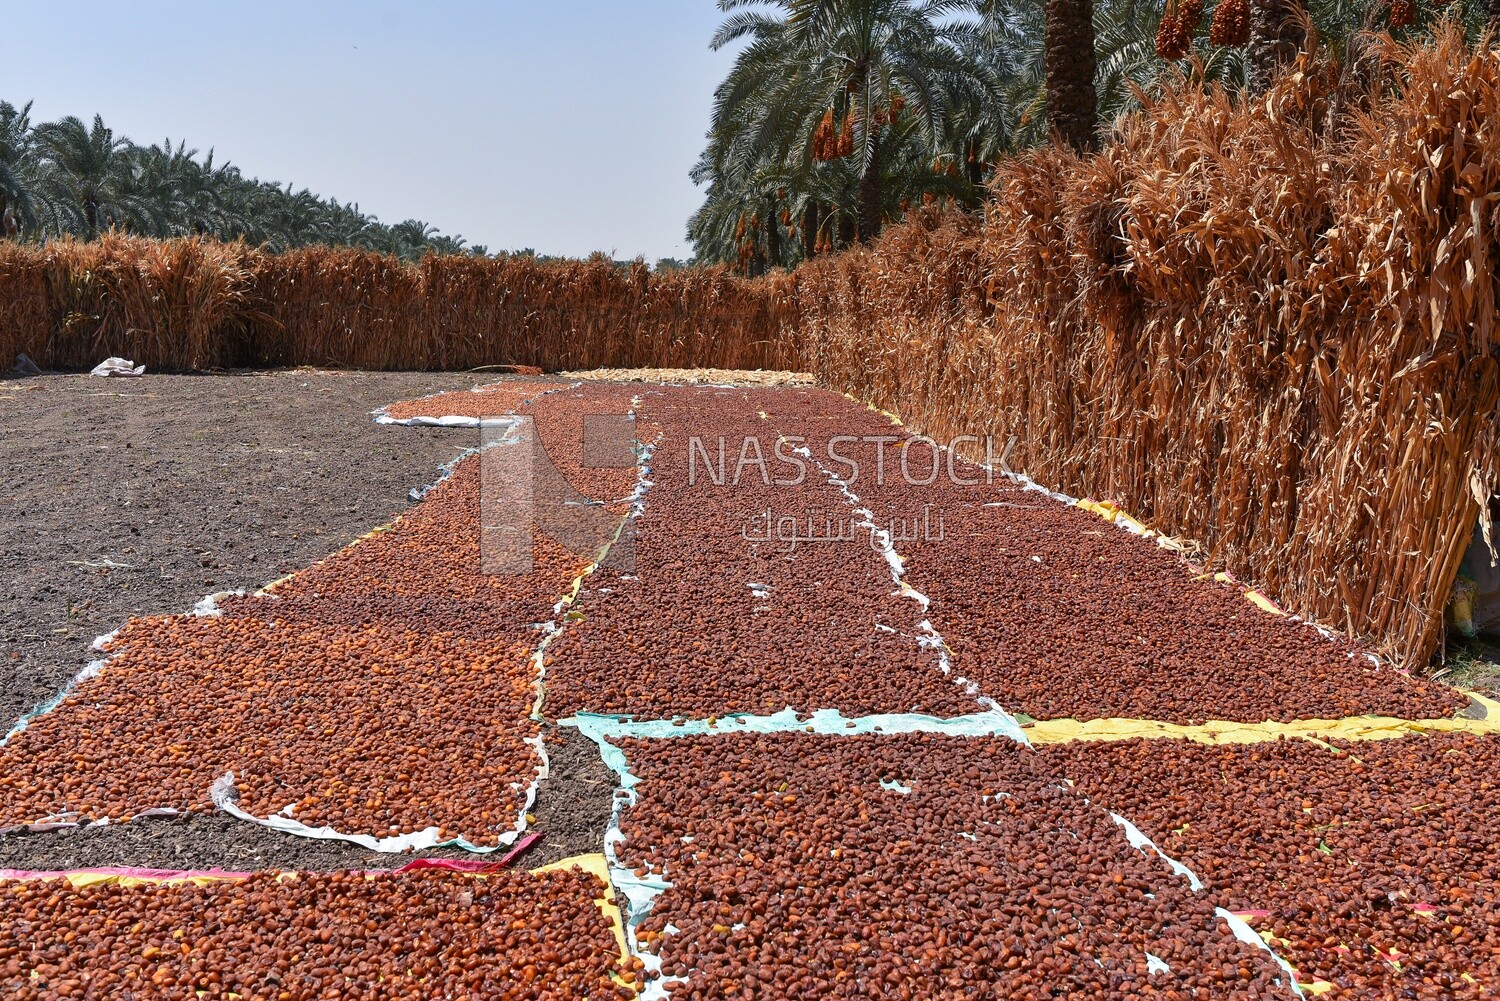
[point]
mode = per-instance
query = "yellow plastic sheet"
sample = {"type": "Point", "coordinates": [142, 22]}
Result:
{"type": "Point", "coordinates": [597, 865]}
{"type": "Point", "coordinates": [1262, 602]}
{"type": "Point", "coordinates": [79, 880]}
{"type": "Point", "coordinates": [1104, 510]}
{"type": "Point", "coordinates": [1057, 731]}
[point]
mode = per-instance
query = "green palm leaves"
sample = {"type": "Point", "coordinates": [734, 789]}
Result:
{"type": "Point", "coordinates": [836, 112]}
{"type": "Point", "coordinates": [72, 178]}
{"type": "Point", "coordinates": [839, 114]}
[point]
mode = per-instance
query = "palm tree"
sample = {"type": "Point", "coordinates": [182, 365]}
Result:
{"type": "Point", "coordinates": [845, 70]}
{"type": "Point", "coordinates": [16, 202]}
{"type": "Point", "coordinates": [1124, 52]}
{"type": "Point", "coordinates": [413, 232]}
{"type": "Point", "coordinates": [70, 178]}
{"type": "Point", "coordinates": [1277, 32]}
{"type": "Point", "coordinates": [82, 168]}
{"type": "Point", "coordinates": [1072, 101]}
{"type": "Point", "coordinates": [988, 121]}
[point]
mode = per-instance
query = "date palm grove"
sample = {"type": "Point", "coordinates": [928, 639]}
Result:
{"type": "Point", "coordinates": [840, 115]}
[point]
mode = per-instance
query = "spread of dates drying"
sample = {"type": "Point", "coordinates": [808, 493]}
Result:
{"type": "Point", "coordinates": [381, 692]}
{"type": "Point", "coordinates": [907, 866]}
{"type": "Point", "coordinates": [1059, 615]}
{"type": "Point", "coordinates": [495, 400]}
{"type": "Point", "coordinates": [365, 729]}
{"type": "Point", "coordinates": [589, 444]}
{"type": "Point", "coordinates": [762, 550]}
{"type": "Point", "coordinates": [1371, 866]}
{"type": "Point", "coordinates": [1078, 619]}
{"type": "Point", "coordinates": [424, 573]}
{"type": "Point", "coordinates": [384, 691]}
{"type": "Point", "coordinates": [718, 615]}
{"type": "Point", "coordinates": [380, 937]}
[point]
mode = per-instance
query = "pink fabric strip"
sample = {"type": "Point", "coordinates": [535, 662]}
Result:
{"type": "Point", "coordinates": [472, 865]}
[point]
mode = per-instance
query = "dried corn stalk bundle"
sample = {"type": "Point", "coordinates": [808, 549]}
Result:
{"type": "Point", "coordinates": [25, 315]}
{"type": "Point", "coordinates": [171, 304]}
{"type": "Point", "coordinates": [189, 304]}
{"type": "Point", "coordinates": [1265, 327]}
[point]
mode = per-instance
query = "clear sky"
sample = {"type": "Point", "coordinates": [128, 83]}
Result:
{"type": "Point", "coordinates": [563, 125]}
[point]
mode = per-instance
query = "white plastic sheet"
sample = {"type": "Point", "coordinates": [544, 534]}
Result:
{"type": "Point", "coordinates": [226, 797]}
{"type": "Point", "coordinates": [381, 415]}
{"type": "Point", "coordinates": [117, 367]}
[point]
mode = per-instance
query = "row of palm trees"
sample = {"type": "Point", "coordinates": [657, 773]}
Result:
{"type": "Point", "coordinates": [839, 115]}
{"type": "Point", "coordinates": [68, 178]}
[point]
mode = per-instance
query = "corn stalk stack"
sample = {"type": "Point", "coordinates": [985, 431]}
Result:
{"type": "Point", "coordinates": [1267, 327]}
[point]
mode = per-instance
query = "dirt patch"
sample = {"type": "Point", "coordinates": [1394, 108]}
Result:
{"type": "Point", "coordinates": [573, 806]}
{"type": "Point", "coordinates": [190, 842]}
{"type": "Point", "coordinates": [138, 497]}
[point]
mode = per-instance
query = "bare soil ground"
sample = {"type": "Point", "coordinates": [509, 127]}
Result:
{"type": "Point", "coordinates": [1472, 664]}
{"type": "Point", "coordinates": [129, 497]}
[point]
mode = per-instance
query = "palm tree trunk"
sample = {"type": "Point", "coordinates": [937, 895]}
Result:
{"type": "Point", "coordinates": [1276, 36]}
{"type": "Point", "coordinates": [1072, 101]}
{"type": "Point", "coordinates": [91, 216]}
{"type": "Point", "coordinates": [773, 235]}
{"type": "Point", "coordinates": [869, 197]}
{"type": "Point", "coordinates": [810, 222]}
{"type": "Point", "coordinates": [846, 231]}
{"type": "Point", "coordinates": [1493, 8]}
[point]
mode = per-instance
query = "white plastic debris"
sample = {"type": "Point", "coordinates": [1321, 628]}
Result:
{"type": "Point", "coordinates": [117, 366]}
